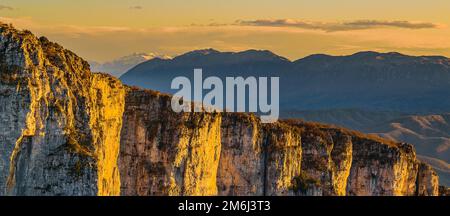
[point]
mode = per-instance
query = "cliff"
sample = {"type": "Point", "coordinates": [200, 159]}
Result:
{"type": "Point", "coordinates": [165, 153]}
{"type": "Point", "coordinates": [67, 131]}
{"type": "Point", "coordinates": [60, 123]}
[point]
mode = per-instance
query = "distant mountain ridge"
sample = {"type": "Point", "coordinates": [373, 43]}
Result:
{"type": "Point", "coordinates": [366, 91]}
{"type": "Point", "coordinates": [69, 132]}
{"type": "Point", "coordinates": [119, 66]}
{"type": "Point", "coordinates": [431, 133]}
{"type": "Point", "coordinates": [211, 57]}
{"type": "Point", "coordinates": [364, 80]}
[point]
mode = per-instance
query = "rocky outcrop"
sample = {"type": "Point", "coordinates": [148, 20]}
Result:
{"type": "Point", "coordinates": [257, 159]}
{"type": "Point", "coordinates": [165, 153]}
{"type": "Point", "coordinates": [238, 155]}
{"type": "Point", "coordinates": [444, 191]}
{"type": "Point", "coordinates": [60, 123]}
{"type": "Point", "coordinates": [382, 169]}
{"type": "Point", "coordinates": [427, 181]}
{"type": "Point", "coordinates": [241, 164]}
{"type": "Point", "coordinates": [67, 131]}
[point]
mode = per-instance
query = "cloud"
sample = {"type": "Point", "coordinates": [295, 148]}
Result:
{"type": "Point", "coordinates": [399, 24]}
{"type": "Point", "coordinates": [137, 7]}
{"type": "Point", "coordinates": [336, 26]}
{"type": "Point", "coordinates": [4, 7]}
{"type": "Point", "coordinates": [103, 43]}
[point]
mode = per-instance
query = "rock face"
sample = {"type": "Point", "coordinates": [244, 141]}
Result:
{"type": "Point", "coordinates": [257, 159]}
{"type": "Point", "coordinates": [60, 123]}
{"type": "Point", "coordinates": [427, 181]}
{"type": "Point", "coordinates": [444, 191]}
{"type": "Point", "coordinates": [396, 165]}
{"type": "Point", "coordinates": [67, 131]}
{"type": "Point", "coordinates": [164, 153]}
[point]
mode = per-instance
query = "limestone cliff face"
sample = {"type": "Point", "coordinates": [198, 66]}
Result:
{"type": "Point", "coordinates": [107, 100]}
{"type": "Point", "coordinates": [67, 131]}
{"type": "Point", "coordinates": [256, 159]}
{"type": "Point", "coordinates": [388, 169]}
{"type": "Point", "coordinates": [60, 123]}
{"type": "Point", "coordinates": [326, 162]}
{"type": "Point", "coordinates": [165, 153]}
{"type": "Point", "coordinates": [427, 181]}
{"type": "Point", "coordinates": [241, 165]}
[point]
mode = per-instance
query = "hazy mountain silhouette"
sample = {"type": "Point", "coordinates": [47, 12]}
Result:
{"type": "Point", "coordinates": [390, 94]}
{"type": "Point", "coordinates": [119, 66]}
{"type": "Point", "coordinates": [430, 134]}
{"type": "Point", "coordinates": [158, 73]}
{"type": "Point", "coordinates": [365, 80]}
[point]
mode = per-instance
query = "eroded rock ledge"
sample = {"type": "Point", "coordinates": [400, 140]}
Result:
{"type": "Point", "coordinates": [67, 131]}
{"type": "Point", "coordinates": [165, 153]}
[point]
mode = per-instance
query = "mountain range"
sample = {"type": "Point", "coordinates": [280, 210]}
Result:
{"type": "Point", "coordinates": [119, 66]}
{"type": "Point", "coordinates": [66, 131]}
{"type": "Point", "coordinates": [401, 97]}
{"type": "Point", "coordinates": [365, 80]}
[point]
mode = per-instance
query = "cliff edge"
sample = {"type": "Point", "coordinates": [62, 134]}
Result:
{"type": "Point", "coordinates": [60, 123]}
{"type": "Point", "coordinates": [67, 131]}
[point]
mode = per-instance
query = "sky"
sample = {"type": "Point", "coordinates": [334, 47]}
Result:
{"type": "Point", "coordinates": [102, 30]}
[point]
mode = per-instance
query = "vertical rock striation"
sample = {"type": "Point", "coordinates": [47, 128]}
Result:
{"type": "Point", "coordinates": [382, 169]}
{"type": "Point", "coordinates": [67, 131]}
{"type": "Point", "coordinates": [326, 161]}
{"type": "Point", "coordinates": [427, 181]}
{"type": "Point", "coordinates": [251, 158]}
{"type": "Point", "coordinates": [107, 97]}
{"type": "Point", "coordinates": [241, 166]}
{"type": "Point", "coordinates": [165, 153]}
{"type": "Point", "coordinates": [58, 120]}
{"type": "Point", "coordinates": [282, 158]}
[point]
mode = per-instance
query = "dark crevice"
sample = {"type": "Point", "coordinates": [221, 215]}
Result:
{"type": "Point", "coordinates": [265, 159]}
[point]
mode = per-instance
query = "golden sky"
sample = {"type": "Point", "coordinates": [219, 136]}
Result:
{"type": "Point", "coordinates": [106, 29]}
